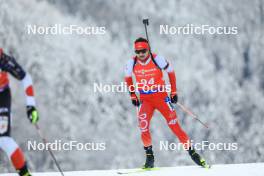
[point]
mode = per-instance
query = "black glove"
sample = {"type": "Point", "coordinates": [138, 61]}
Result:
{"type": "Point", "coordinates": [32, 114]}
{"type": "Point", "coordinates": [134, 99]}
{"type": "Point", "coordinates": [174, 98]}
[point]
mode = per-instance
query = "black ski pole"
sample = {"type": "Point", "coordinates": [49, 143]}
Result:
{"type": "Point", "coordinates": [146, 23]}
{"type": "Point", "coordinates": [51, 154]}
{"type": "Point", "coordinates": [190, 113]}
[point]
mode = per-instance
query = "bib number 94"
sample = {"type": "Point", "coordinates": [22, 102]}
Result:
{"type": "Point", "coordinates": [147, 82]}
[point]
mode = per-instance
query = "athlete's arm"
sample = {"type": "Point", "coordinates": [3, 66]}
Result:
{"type": "Point", "coordinates": [129, 82]}
{"type": "Point", "coordinates": [10, 65]}
{"type": "Point", "coordinates": [165, 65]}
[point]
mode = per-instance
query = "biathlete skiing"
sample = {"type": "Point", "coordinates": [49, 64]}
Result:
{"type": "Point", "coordinates": [148, 70]}
{"type": "Point", "coordinates": [8, 65]}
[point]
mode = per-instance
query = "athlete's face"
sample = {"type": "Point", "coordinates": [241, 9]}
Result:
{"type": "Point", "coordinates": [142, 54]}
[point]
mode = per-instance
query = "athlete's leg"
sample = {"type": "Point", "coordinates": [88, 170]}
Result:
{"type": "Point", "coordinates": [144, 116]}
{"type": "Point", "coordinates": [7, 144]}
{"type": "Point", "coordinates": [13, 152]}
{"type": "Point", "coordinates": [170, 115]}
{"type": "Point", "coordinates": [165, 108]}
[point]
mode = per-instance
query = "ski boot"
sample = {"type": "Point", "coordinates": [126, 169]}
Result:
{"type": "Point", "coordinates": [24, 171]}
{"type": "Point", "coordinates": [149, 158]}
{"type": "Point", "coordinates": [197, 158]}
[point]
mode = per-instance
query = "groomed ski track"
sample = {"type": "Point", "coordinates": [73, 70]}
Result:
{"type": "Point", "coordinates": [250, 169]}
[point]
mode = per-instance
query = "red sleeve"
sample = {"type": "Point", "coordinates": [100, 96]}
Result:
{"type": "Point", "coordinates": [130, 84]}
{"type": "Point", "coordinates": [172, 78]}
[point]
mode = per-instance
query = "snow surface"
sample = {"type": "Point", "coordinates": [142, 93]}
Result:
{"type": "Point", "coordinates": [219, 77]}
{"type": "Point", "coordinates": [252, 169]}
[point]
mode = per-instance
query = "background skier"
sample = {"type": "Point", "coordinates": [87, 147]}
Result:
{"type": "Point", "coordinates": [9, 65]}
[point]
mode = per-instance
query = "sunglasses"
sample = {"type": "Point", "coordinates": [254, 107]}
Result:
{"type": "Point", "coordinates": [141, 51]}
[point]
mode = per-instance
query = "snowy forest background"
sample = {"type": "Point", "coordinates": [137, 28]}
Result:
{"type": "Point", "coordinates": [220, 77]}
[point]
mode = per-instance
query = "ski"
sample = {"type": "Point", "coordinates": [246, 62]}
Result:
{"type": "Point", "coordinates": [139, 170]}
{"type": "Point", "coordinates": [205, 165]}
